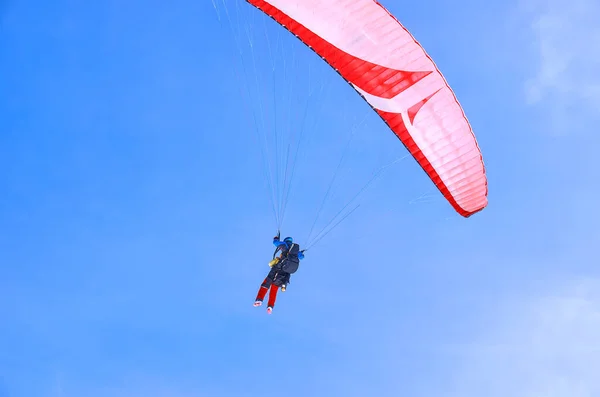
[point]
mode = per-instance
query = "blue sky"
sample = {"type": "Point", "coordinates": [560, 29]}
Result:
{"type": "Point", "coordinates": [135, 220]}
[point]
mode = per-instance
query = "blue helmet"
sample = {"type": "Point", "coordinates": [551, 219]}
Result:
{"type": "Point", "coordinates": [288, 240]}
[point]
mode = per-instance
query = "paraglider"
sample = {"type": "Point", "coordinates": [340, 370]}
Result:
{"type": "Point", "coordinates": [374, 53]}
{"type": "Point", "coordinates": [282, 267]}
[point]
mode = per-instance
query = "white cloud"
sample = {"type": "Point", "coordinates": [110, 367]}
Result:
{"type": "Point", "coordinates": [567, 48]}
{"type": "Point", "coordinates": [548, 346]}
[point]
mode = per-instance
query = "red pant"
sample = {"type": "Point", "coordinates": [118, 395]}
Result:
{"type": "Point", "coordinates": [262, 291]}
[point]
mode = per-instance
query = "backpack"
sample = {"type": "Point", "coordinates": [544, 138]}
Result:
{"type": "Point", "coordinates": [291, 262]}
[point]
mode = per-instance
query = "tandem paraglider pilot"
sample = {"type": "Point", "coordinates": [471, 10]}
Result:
{"type": "Point", "coordinates": [282, 267]}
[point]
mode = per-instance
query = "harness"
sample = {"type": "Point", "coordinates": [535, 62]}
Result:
{"type": "Point", "coordinates": [276, 262]}
{"type": "Point", "coordinates": [279, 248]}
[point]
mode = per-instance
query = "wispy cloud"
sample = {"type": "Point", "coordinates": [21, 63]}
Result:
{"type": "Point", "coordinates": [567, 50]}
{"type": "Point", "coordinates": [547, 346]}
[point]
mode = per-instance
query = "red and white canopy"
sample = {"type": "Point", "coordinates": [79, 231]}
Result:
{"type": "Point", "coordinates": [373, 52]}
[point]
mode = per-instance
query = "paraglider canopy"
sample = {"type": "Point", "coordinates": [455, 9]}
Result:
{"type": "Point", "coordinates": [374, 53]}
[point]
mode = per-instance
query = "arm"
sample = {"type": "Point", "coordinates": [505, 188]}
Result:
{"type": "Point", "coordinates": [301, 254]}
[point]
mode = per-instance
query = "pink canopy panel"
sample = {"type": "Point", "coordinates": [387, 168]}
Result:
{"type": "Point", "coordinates": [373, 52]}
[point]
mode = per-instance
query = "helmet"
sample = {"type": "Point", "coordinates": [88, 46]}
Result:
{"type": "Point", "coordinates": [288, 240]}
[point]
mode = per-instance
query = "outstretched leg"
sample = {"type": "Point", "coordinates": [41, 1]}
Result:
{"type": "Point", "coordinates": [262, 291]}
{"type": "Point", "coordinates": [272, 298]}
